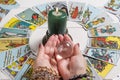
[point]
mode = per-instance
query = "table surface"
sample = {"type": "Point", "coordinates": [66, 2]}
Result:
{"type": "Point", "coordinates": [78, 34]}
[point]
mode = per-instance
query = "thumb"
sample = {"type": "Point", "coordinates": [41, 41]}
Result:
{"type": "Point", "coordinates": [63, 68]}
{"type": "Point", "coordinates": [41, 50]}
{"type": "Point", "coordinates": [76, 50]}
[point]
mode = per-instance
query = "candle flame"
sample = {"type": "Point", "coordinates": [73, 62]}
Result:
{"type": "Point", "coordinates": [57, 10]}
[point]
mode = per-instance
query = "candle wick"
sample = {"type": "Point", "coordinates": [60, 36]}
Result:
{"type": "Point", "coordinates": [56, 10]}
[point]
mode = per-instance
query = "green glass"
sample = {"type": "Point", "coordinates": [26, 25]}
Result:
{"type": "Point", "coordinates": [57, 22]}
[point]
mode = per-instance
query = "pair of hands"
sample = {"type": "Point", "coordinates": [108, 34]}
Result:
{"type": "Point", "coordinates": [68, 67]}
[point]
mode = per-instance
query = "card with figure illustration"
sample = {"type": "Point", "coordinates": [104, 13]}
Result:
{"type": "Point", "coordinates": [111, 29]}
{"type": "Point", "coordinates": [101, 67]}
{"type": "Point", "coordinates": [112, 6]}
{"type": "Point", "coordinates": [109, 42]}
{"type": "Point", "coordinates": [19, 24]}
{"type": "Point", "coordinates": [107, 55]}
{"type": "Point", "coordinates": [90, 13]}
{"type": "Point", "coordinates": [90, 69]}
{"type": "Point", "coordinates": [18, 67]}
{"type": "Point", "coordinates": [99, 20]}
{"type": "Point", "coordinates": [61, 5]}
{"type": "Point", "coordinates": [13, 33]}
{"type": "Point", "coordinates": [32, 17]}
{"type": "Point", "coordinates": [76, 10]}
{"type": "Point", "coordinates": [9, 43]}
{"type": "Point", "coordinates": [9, 4]}
{"type": "Point", "coordinates": [42, 9]}
{"type": "Point", "coordinates": [9, 56]}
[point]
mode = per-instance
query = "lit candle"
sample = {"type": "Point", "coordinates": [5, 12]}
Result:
{"type": "Point", "coordinates": [57, 22]}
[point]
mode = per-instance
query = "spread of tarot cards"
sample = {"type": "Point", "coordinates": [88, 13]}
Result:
{"type": "Point", "coordinates": [92, 27]}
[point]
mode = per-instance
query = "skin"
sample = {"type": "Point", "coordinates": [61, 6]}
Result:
{"type": "Point", "coordinates": [68, 67]}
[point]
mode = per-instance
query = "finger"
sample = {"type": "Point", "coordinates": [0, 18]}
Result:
{"type": "Point", "coordinates": [61, 38]}
{"type": "Point", "coordinates": [55, 40]}
{"type": "Point", "coordinates": [63, 68]}
{"type": "Point", "coordinates": [67, 38]}
{"type": "Point", "coordinates": [76, 50]}
{"type": "Point", "coordinates": [41, 50]}
{"type": "Point", "coordinates": [49, 44]}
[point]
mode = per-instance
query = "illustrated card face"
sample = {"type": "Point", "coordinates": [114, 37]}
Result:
{"type": "Point", "coordinates": [13, 33]}
{"type": "Point", "coordinates": [113, 6]}
{"type": "Point", "coordinates": [76, 10]}
{"type": "Point", "coordinates": [32, 17]}
{"type": "Point", "coordinates": [101, 19]}
{"type": "Point", "coordinates": [110, 42]}
{"type": "Point", "coordinates": [27, 66]}
{"type": "Point", "coordinates": [61, 5]}
{"type": "Point", "coordinates": [91, 71]}
{"type": "Point", "coordinates": [90, 13]}
{"type": "Point", "coordinates": [16, 67]}
{"type": "Point", "coordinates": [101, 67]}
{"type": "Point", "coordinates": [9, 56]}
{"type": "Point", "coordinates": [9, 43]}
{"type": "Point", "coordinates": [107, 55]}
{"type": "Point", "coordinates": [19, 24]}
{"type": "Point", "coordinates": [105, 30]}
{"type": "Point", "coordinates": [42, 9]}
{"type": "Point", "coordinates": [9, 4]}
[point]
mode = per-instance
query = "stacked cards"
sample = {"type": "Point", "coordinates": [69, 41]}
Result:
{"type": "Point", "coordinates": [103, 48]}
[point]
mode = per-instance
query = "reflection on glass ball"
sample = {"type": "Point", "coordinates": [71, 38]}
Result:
{"type": "Point", "coordinates": [65, 49]}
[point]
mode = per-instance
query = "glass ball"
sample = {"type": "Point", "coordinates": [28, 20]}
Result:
{"type": "Point", "coordinates": [65, 49]}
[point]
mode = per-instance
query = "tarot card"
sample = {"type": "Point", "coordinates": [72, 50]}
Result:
{"type": "Point", "coordinates": [3, 12]}
{"type": "Point", "coordinates": [17, 66]}
{"type": "Point", "coordinates": [9, 43]}
{"type": "Point", "coordinates": [107, 55]}
{"type": "Point", "coordinates": [9, 4]}
{"type": "Point", "coordinates": [101, 19]}
{"type": "Point", "coordinates": [101, 67]}
{"type": "Point", "coordinates": [76, 10]}
{"type": "Point", "coordinates": [19, 24]}
{"type": "Point", "coordinates": [90, 13]}
{"type": "Point", "coordinates": [42, 9]}
{"type": "Point", "coordinates": [112, 6]}
{"type": "Point", "coordinates": [105, 30]}
{"type": "Point", "coordinates": [109, 42]}
{"type": "Point", "coordinates": [61, 5]}
{"type": "Point", "coordinates": [32, 17]}
{"type": "Point", "coordinates": [13, 33]}
{"type": "Point", "coordinates": [27, 66]}
{"type": "Point", "coordinates": [91, 70]}
{"type": "Point", "coordinates": [9, 56]}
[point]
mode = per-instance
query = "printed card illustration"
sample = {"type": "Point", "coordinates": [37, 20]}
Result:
{"type": "Point", "coordinates": [9, 4]}
{"type": "Point", "coordinates": [90, 13]}
{"type": "Point", "coordinates": [110, 42]}
{"type": "Point", "coordinates": [113, 6]}
{"type": "Point", "coordinates": [90, 69]}
{"type": "Point", "coordinates": [9, 43]}
{"type": "Point", "coordinates": [3, 12]}
{"type": "Point", "coordinates": [61, 5]}
{"type": "Point", "coordinates": [13, 33]}
{"type": "Point", "coordinates": [27, 66]}
{"type": "Point", "coordinates": [76, 10]}
{"type": "Point", "coordinates": [105, 30]}
{"type": "Point", "coordinates": [16, 23]}
{"type": "Point", "coordinates": [101, 19]}
{"type": "Point", "coordinates": [107, 55]}
{"type": "Point", "coordinates": [42, 9]}
{"type": "Point", "coordinates": [32, 17]}
{"type": "Point", "coordinates": [101, 67]}
{"type": "Point", "coordinates": [15, 67]}
{"type": "Point", "coordinates": [9, 56]}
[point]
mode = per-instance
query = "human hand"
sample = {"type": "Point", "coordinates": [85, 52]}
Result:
{"type": "Point", "coordinates": [74, 65]}
{"type": "Point", "coordinates": [45, 57]}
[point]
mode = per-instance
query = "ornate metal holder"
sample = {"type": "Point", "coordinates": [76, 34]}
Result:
{"type": "Point", "coordinates": [46, 37]}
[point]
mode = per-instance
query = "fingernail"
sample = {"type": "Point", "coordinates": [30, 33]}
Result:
{"type": "Point", "coordinates": [78, 44]}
